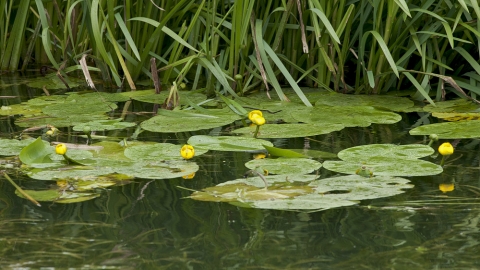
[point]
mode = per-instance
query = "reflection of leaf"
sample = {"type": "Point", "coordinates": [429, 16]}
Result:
{"type": "Point", "coordinates": [450, 130]}
{"type": "Point", "coordinates": [227, 143]}
{"type": "Point", "coordinates": [287, 194]}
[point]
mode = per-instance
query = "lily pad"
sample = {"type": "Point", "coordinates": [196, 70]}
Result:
{"type": "Point", "coordinates": [391, 103]}
{"type": "Point", "coordinates": [317, 195]}
{"type": "Point", "coordinates": [13, 147]}
{"type": "Point", "coordinates": [289, 130]}
{"type": "Point", "coordinates": [285, 165]}
{"type": "Point", "coordinates": [227, 143]}
{"type": "Point", "coordinates": [450, 106]}
{"type": "Point", "coordinates": [372, 151]}
{"type": "Point", "coordinates": [149, 96]}
{"type": "Point", "coordinates": [457, 116]}
{"type": "Point", "coordinates": [37, 151]}
{"type": "Point", "coordinates": [182, 121]}
{"type": "Point", "coordinates": [450, 130]}
{"type": "Point", "coordinates": [66, 121]}
{"type": "Point", "coordinates": [385, 159]}
{"type": "Point", "coordinates": [53, 82]}
{"type": "Point", "coordinates": [354, 116]}
{"type": "Point", "coordinates": [101, 125]}
{"type": "Point", "coordinates": [19, 109]}
{"type": "Point", "coordinates": [158, 151]}
{"type": "Point", "coordinates": [57, 196]}
{"type": "Point", "coordinates": [385, 166]}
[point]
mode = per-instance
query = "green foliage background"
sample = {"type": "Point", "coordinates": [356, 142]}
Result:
{"type": "Point", "coordinates": [356, 46]}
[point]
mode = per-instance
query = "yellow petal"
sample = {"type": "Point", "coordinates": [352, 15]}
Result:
{"type": "Point", "coordinates": [446, 187]}
{"type": "Point", "coordinates": [61, 149]}
{"type": "Point", "coordinates": [254, 113]}
{"type": "Point", "coordinates": [445, 149]}
{"type": "Point", "coordinates": [187, 151]}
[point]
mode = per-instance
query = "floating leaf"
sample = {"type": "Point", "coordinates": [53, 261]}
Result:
{"type": "Point", "coordinates": [373, 151]}
{"type": "Point", "coordinates": [13, 147]}
{"type": "Point", "coordinates": [385, 166]}
{"type": "Point", "coordinates": [285, 165]}
{"type": "Point", "coordinates": [37, 151]}
{"type": "Point", "coordinates": [101, 125]}
{"type": "Point", "coordinates": [391, 103]}
{"type": "Point", "coordinates": [53, 82]}
{"type": "Point", "coordinates": [385, 159]}
{"type": "Point", "coordinates": [361, 116]}
{"type": "Point", "coordinates": [59, 196]}
{"type": "Point", "coordinates": [149, 96]}
{"type": "Point", "coordinates": [19, 109]}
{"type": "Point", "coordinates": [289, 130]}
{"type": "Point", "coordinates": [450, 106]}
{"type": "Point", "coordinates": [457, 116]}
{"type": "Point", "coordinates": [158, 151]}
{"type": "Point", "coordinates": [317, 195]}
{"type": "Point", "coordinates": [227, 143]}
{"type": "Point", "coordinates": [174, 121]}
{"type": "Point", "coordinates": [450, 130]}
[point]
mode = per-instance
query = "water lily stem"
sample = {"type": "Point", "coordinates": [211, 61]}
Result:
{"type": "Point", "coordinates": [256, 131]}
{"type": "Point", "coordinates": [430, 143]}
{"type": "Point", "coordinates": [443, 161]}
{"type": "Point", "coordinates": [21, 190]}
{"type": "Point", "coordinates": [259, 175]}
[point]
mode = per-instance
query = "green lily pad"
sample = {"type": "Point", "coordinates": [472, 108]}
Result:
{"type": "Point", "coordinates": [386, 166]}
{"type": "Point", "coordinates": [354, 116]}
{"type": "Point", "coordinates": [149, 96]}
{"type": "Point", "coordinates": [182, 121]}
{"type": "Point", "coordinates": [285, 165]}
{"type": "Point", "coordinates": [457, 116]}
{"type": "Point", "coordinates": [317, 195]}
{"type": "Point", "coordinates": [107, 97]}
{"type": "Point", "coordinates": [372, 151]}
{"type": "Point", "coordinates": [101, 125]}
{"type": "Point", "coordinates": [76, 105]}
{"type": "Point", "coordinates": [66, 121]}
{"type": "Point", "coordinates": [450, 106]}
{"type": "Point", "coordinates": [19, 109]}
{"type": "Point", "coordinates": [59, 196]}
{"type": "Point", "coordinates": [158, 151]}
{"type": "Point", "coordinates": [385, 159]}
{"type": "Point", "coordinates": [13, 147]}
{"type": "Point", "coordinates": [227, 143]}
{"type": "Point", "coordinates": [37, 151]}
{"type": "Point", "coordinates": [289, 130]}
{"type": "Point", "coordinates": [391, 103]}
{"type": "Point", "coordinates": [450, 130]}
{"type": "Point", "coordinates": [159, 169]}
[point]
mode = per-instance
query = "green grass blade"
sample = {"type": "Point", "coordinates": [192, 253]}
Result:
{"type": "Point", "coordinates": [385, 50]}
{"type": "Point", "coordinates": [327, 24]}
{"type": "Point", "coordinates": [127, 35]}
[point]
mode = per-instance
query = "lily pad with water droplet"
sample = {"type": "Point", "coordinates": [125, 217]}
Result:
{"type": "Point", "coordinates": [450, 130]}
{"type": "Point", "coordinates": [101, 125]}
{"type": "Point", "coordinates": [182, 121]}
{"type": "Point", "coordinates": [391, 103]}
{"type": "Point", "coordinates": [354, 116]}
{"type": "Point", "coordinates": [285, 165]}
{"type": "Point", "coordinates": [227, 143]}
{"type": "Point", "coordinates": [158, 151]}
{"type": "Point", "coordinates": [289, 130]}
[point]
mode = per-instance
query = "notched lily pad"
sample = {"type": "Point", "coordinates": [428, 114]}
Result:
{"type": "Point", "coordinates": [450, 130]}
{"type": "Point", "coordinates": [285, 165]}
{"type": "Point", "coordinates": [227, 143]}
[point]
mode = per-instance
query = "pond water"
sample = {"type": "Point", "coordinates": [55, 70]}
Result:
{"type": "Point", "coordinates": [149, 224]}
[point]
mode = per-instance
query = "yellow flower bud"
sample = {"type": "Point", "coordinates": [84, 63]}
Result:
{"type": "Point", "coordinates": [254, 113]}
{"type": "Point", "coordinates": [49, 133]}
{"type": "Point", "coordinates": [445, 149]}
{"type": "Point", "coordinates": [258, 120]}
{"type": "Point", "coordinates": [187, 151]}
{"type": "Point", "coordinates": [259, 156]}
{"type": "Point", "coordinates": [446, 187]}
{"type": "Point", "coordinates": [61, 149]}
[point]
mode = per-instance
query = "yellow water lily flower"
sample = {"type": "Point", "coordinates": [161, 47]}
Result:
{"type": "Point", "coordinates": [254, 113]}
{"type": "Point", "coordinates": [259, 156]}
{"type": "Point", "coordinates": [187, 151]}
{"type": "Point", "coordinates": [61, 149]}
{"type": "Point", "coordinates": [446, 187]}
{"type": "Point", "coordinates": [445, 149]}
{"type": "Point", "coordinates": [258, 120]}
